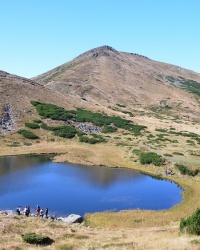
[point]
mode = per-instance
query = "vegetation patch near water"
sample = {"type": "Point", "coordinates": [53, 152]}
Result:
{"type": "Point", "coordinates": [151, 157]}
{"type": "Point", "coordinates": [32, 125]}
{"type": "Point", "coordinates": [110, 123]}
{"type": "Point", "coordinates": [192, 223]}
{"type": "Point", "coordinates": [36, 239]}
{"type": "Point", "coordinates": [62, 131]}
{"type": "Point", "coordinates": [186, 171]}
{"type": "Point", "coordinates": [28, 134]}
{"type": "Point", "coordinates": [91, 140]}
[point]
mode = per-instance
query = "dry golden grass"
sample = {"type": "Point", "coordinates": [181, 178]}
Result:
{"type": "Point", "coordinates": [82, 237]}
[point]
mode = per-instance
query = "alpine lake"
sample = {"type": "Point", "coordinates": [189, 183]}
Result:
{"type": "Point", "coordinates": [67, 188]}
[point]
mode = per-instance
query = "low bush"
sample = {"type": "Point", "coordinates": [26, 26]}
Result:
{"type": "Point", "coordinates": [91, 140]}
{"type": "Point", "coordinates": [27, 134]}
{"type": "Point", "coordinates": [177, 153]}
{"type": "Point", "coordinates": [121, 105]}
{"type": "Point", "coordinates": [169, 155]}
{"type": "Point", "coordinates": [127, 112]}
{"type": "Point", "coordinates": [137, 152]}
{"type": "Point", "coordinates": [14, 144]}
{"type": "Point", "coordinates": [52, 111]}
{"type": "Point", "coordinates": [161, 130]}
{"type": "Point", "coordinates": [151, 157]}
{"type": "Point", "coordinates": [192, 223]}
{"type": "Point", "coordinates": [62, 131]}
{"type": "Point", "coordinates": [82, 115]}
{"type": "Point", "coordinates": [109, 129]}
{"type": "Point", "coordinates": [27, 143]}
{"type": "Point", "coordinates": [65, 247]}
{"type": "Point", "coordinates": [31, 125]}
{"type": "Point", "coordinates": [65, 131]}
{"type": "Point", "coordinates": [36, 239]}
{"type": "Point", "coordinates": [37, 121]}
{"type": "Point", "coordinates": [186, 171]}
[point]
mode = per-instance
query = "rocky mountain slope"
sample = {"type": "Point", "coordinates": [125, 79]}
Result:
{"type": "Point", "coordinates": [105, 77]}
{"type": "Point", "coordinates": [16, 93]}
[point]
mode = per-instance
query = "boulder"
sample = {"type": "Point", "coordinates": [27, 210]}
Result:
{"type": "Point", "coordinates": [6, 212]}
{"type": "Point", "coordinates": [72, 218]}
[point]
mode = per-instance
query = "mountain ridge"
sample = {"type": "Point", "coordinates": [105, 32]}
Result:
{"type": "Point", "coordinates": [104, 76]}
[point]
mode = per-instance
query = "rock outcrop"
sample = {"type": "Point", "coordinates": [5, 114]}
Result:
{"type": "Point", "coordinates": [72, 218]}
{"type": "Point", "coordinates": [88, 129]}
{"type": "Point", "coordinates": [7, 120]}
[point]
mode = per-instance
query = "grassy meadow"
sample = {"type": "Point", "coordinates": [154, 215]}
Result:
{"type": "Point", "coordinates": [176, 142]}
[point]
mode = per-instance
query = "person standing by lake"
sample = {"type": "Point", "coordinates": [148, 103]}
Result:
{"type": "Point", "coordinates": [18, 210]}
{"type": "Point", "coordinates": [41, 213]}
{"type": "Point", "coordinates": [46, 212]}
{"type": "Point", "coordinates": [27, 210]}
{"type": "Point", "coordinates": [38, 210]}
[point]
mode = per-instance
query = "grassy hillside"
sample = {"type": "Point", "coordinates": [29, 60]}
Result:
{"type": "Point", "coordinates": [105, 77]}
{"type": "Point", "coordinates": [115, 109]}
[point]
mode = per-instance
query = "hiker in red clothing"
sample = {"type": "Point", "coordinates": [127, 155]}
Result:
{"type": "Point", "coordinates": [38, 210]}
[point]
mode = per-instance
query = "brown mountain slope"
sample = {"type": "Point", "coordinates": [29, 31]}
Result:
{"type": "Point", "coordinates": [106, 77]}
{"type": "Point", "coordinates": [17, 92]}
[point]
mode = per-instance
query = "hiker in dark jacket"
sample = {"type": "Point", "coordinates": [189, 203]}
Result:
{"type": "Point", "coordinates": [18, 210]}
{"type": "Point", "coordinates": [46, 212]}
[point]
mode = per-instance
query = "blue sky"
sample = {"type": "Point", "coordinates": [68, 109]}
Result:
{"type": "Point", "coordinates": [39, 35]}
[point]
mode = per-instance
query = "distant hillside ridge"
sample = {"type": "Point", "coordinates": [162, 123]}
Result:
{"type": "Point", "coordinates": [105, 77]}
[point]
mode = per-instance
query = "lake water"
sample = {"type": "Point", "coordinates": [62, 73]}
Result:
{"type": "Point", "coordinates": [68, 188]}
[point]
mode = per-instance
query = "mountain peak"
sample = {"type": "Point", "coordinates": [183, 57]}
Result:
{"type": "Point", "coordinates": [104, 50]}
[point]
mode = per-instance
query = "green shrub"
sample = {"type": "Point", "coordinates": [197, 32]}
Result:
{"type": "Point", "coordinates": [109, 129]}
{"type": "Point", "coordinates": [82, 115]}
{"type": "Point", "coordinates": [65, 247]}
{"type": "Point", "coordinates": [151, 157]}
{"type": "Point", "coordinates": [37, 121]}
{"type": "Point", "coordinates": [177, 153]}
{"type": "Point", "coordinates": [166, 154]}
{"type": "Point", "coordinates": [161, 130]}
{"type": "Point", "coordinates": [62, 131]}
{"type": "Point", "coordinates": [31, 125]}
{"type": "Point", "coordinates": [186, 171]}
{"type": "Point", "coordinates": [46, 127]}
{"type": "Point", "coordinates": [27, 143]}
{"type": "Point", "coordinates": [90, 140]}
{"type": "Point", "coordinates": [52, 111]}
{"type": "Point", "coordinates": [192, 223]}
{"type": "Point", "coordinates": [187, 84]}
{"type": "Point", "coordinates": [127, 112]}
{"type": "Point", "coordinates": [27, 134]}
{"type": "Point", "coordinates": [14, 144]}
{"type": "Point", "coordinates": [65, 131]}
{"type": "Point", "coordinates": [121, 105]}
{"type": "Point", "coordinates": [33, 238]}
{"type": "Point", "coordinates": [137, 152]}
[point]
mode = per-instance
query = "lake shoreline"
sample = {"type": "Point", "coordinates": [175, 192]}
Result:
{"type": "Point", "coordinates": [103, 188]}
{"type": "Point", "coordinates": [110, 156]}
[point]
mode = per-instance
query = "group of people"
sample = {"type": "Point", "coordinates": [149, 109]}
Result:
{"type": "Point", "coordinates": [39, 212]}
{"type": "Point", "coordinates": [168, 171]}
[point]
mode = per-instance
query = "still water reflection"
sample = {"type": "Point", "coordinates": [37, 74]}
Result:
{"type": "Point", "coordinates": [67, 188]}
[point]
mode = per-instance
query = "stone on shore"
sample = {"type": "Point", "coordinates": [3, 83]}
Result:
{"type": "Point", "coordinates": [6, 212]}
{"type": "Point", "coordinates": [72, 218]}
